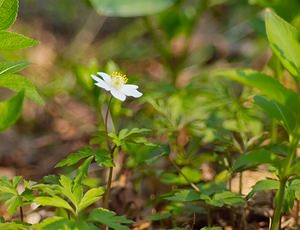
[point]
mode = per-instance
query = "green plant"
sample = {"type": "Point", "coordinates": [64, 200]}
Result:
{"type": "Point", "coordinates": [10, 109]}
{"type": "Point", "coordinates": [279, 103]}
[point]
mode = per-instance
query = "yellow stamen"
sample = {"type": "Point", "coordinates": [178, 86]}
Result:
{"type": "Point", "coordinates": [118, 79]}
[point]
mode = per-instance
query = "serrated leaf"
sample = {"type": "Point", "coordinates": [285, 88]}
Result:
{"type": "Point", "coordinates": [14, 41]}
{"type": "Point", "coordinates": [185, 196]}
{"type": "Point", "coordinates": [129, 8]}
{"type": "Point", "coordinates": [103, 158]}
{"type": "Point", "coordinates": [284, 41]}
{"type": "Point", "coordinates": [8, 13]}
{"type": "Point", "coordinates": [54, 201]}
{"type": "Point", "coordinates": [18, 83]}
{"type": "Point", "coordinates": [109, 219]}
{"type": "Point", "coordinates": [83, 170]}
{"type": "Point", "coordinates": [10, 110]}
{"type": "Point", "coordinates": [90, 197]}
{"type": "Point", "coordinates": [12, 67]}
{"type": "Point", "coordinates": [67, 190]}
{"type": "Point", "coordinates": [73, 158]}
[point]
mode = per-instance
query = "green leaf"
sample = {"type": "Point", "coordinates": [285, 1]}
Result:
{"type": "Point", "coordinates": [229, 198]}
{"type": "Point", "coordinates": [90, 197]}
{"type": "Point", "coordinates": [8, 13]}
{"type": "Point", "coordinates": [73, 158]}
{"type": "Point", "coordinates": [14, 41]}
{"type": "Point", "coordinates": [13, 203]}
{"type": "Point", "coordinates": [83, 170]}
{"type": "Point", "coordinates": [109, 219]}
{"type": "Point", "coordinates": [103, 158]}
{"type": "Point", "coordinates": [54, 223]}
{"type": "Point", "coordinates": [10, 110]}
{"type": "Point", "coordinates": [66, 189]}
{"type": "Point", "coordinates": [12, 67]}
{"type": "Point", "coordinates": [14, 226]}
{"type": "Point", "coordinates": [279, 112]}
{"type": "Point", "coordinates": [54, 201]}
{"type": "Point", "coordinates": [289, 198]}
{"type": "Point", "coordinates": [18, 83]}
{"type": "Point", "coordinates": [145, 154]}
{"type": "Point", "coordinates": [159, 216]}
{"type": "Point", "coordinates": [255, 158]}
{"type": "Point", "coordinates": [185, 196]}
{"type": "Point", "coordinates": [129, 8]}
{"type": "Point", "coordinates": [262, 185]}
{"type": "Point", "coordinates": [284, 41]}
{"type": "Point", "coordinates": [267, 85]}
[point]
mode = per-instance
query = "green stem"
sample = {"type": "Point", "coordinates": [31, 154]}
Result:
{"type": "Point", "coordinates": [278, 206]}
{"type": "Point", "coordinates": [240, 182]}
{"type": "Point", "coordinates": [21, 214]}
{"type": "Point", "coordinates": [297, 214]}
{"type": "Point", "coordinates": [106, 121]}
{"type": "Point", "coordinates": [110, 172]}
{"type": "Point", "coordinates": [209, 217]}
{"type": "Point", "coordinates": [274, 131]}
{"type": "Point", "coordinates": [284, 175]}
{"type": "Point", "coordinates": [184, 176]}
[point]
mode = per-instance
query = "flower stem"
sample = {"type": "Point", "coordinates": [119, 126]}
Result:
{"type": "Point", "coordinates": [111, 150]}
{"type": "Point", "coordinates": [106, 121]}
{"type": "Point", "coordinates": [284, 175]}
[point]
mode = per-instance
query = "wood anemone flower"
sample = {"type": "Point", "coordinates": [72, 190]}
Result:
{"type": "Point", "coordinates": [116, 85]}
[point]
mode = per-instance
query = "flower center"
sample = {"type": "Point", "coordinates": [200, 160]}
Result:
{"type": "Point", "coordinates": [118, 80]}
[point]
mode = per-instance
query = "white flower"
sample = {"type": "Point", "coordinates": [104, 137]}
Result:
{"type": "Point", "coordinates": [116, 84]}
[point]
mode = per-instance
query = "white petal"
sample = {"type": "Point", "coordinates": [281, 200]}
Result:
{"type": "Point", "coordinates": [103, 85]}
{"type": "Point", "coordinates": [106, 77]}
{"type": "Point", "coordinates": [118, 94]}
{"type": "Point", "coordinates": [130, 90]}
{"type": "Point", "coordinates": [97, 79]}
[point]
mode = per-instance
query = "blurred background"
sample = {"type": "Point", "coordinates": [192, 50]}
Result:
{"type": "Point", "coordinates": [168, 52]}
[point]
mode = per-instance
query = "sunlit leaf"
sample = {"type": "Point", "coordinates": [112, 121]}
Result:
{"type": "Point", "coordinates": [8, 13]}
{"type": "Point", "coordinates": [12, 67]}
{"type": "Point", "coordinates": [54, 201]}
{"type": "Point", "coordinates": [13, 203]}
{"type": "Point", "coordinates": [14, 41]}
{"type": "Point", "coordinates": [284, 41]}
{"type": "Point", "coordinates": [90, 197]}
